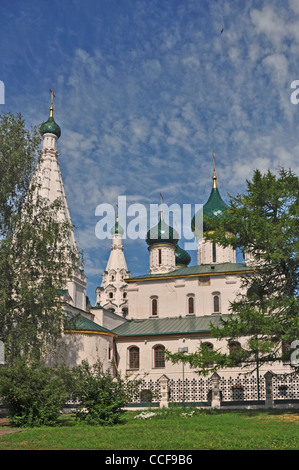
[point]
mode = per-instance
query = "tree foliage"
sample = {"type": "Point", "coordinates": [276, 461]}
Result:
{"type": "Point", "coordinates": [33, 393]}
{"type": "Point", "coordinates": [18, 156]}
{"type": "Point", "coordinates": [101, 397]}
{"type": "Point", "coordinates": [35, 256]}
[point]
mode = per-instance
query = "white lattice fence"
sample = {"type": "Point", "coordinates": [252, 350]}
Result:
{"type": "Point", "coordinates": [149, 391]}
{"type": "Point", "coordinates": [286, 386]}
{"type": "Point", "coordinates": [195, 390]}
{"type": "Point", "coordinates": [242, 388]}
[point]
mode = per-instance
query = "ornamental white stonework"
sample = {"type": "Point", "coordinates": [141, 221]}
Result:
{"type": "Point", "coordinates": [112, 294]}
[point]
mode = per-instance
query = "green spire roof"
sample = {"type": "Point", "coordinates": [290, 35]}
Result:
{"type": "Point", "coordinates": [182, 258]}
{"type": "Point", "coordinates": [162, 233]}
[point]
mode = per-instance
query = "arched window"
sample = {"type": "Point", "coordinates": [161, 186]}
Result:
{"type": "Point", "coordinates": [235, 351]}
{"type": "Point", "coordinates": [234, 346]}
{"type": "Point", "coordinates": [216, 302]}
{"type": "Point", "coordinates": [190, 304]}
{"type": "Point", "coordinates": [208, 346]}
{"type": "Point", "coordinates": [110, 295]}
{"type": "Point", "coordinates": [160, 257]}
{"type": "Point", "coordinates": [159, 360]}
{"type": "Point", "coordinates": [154, 306]}
{"type": "Point", "coordinates": [286, 351]}
{"type": "Point", "coordinates": [214, 252]}
{"type": "Point", "coordinates": [134, 357]}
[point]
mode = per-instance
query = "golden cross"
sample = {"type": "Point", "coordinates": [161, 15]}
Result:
{"type": "Point", "coordinates": [161, 210]}
{"type": "Point", "coordinates": [214, 174]}
{"type": "Point", "coordinates": [52, 96]}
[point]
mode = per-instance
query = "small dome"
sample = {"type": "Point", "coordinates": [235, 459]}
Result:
{"type": "Point", "coordinates": [50, 126]}
{"type": "Point", "coordinates": [162, 233]}
{"type": "Point", "coordinates": [182, 257]}
{"type": "Point", "coordinates": [117, 228]}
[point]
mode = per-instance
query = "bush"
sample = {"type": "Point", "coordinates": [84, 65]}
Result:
{"type": "Point", "coordinates": [101, 397]}
{"type": "Point", "coordinates": [146, 396]}
{"type": "Point", "coordinates": [33, 393]}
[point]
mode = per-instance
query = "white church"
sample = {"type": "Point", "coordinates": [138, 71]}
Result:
{"type": "Point", "coordinates": [170, 307]}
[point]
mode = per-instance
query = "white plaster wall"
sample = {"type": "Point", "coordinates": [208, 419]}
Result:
{"type": "Point", "coordinates": [175, 371]}
{"type": "Point", "coordinates": [172, 295]}
{"type": "Point", "coordinates": [88, 346]}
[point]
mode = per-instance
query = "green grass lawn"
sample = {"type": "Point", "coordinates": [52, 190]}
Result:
{"type": "Point", "coordinates": [168, 430]}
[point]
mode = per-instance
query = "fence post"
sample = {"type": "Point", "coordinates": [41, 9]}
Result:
{"type": "Point", "coordinates": [269, 389]}
{"type": "Point", "coordinates": [215, 379]}
{"type": "Point", "coordinates": [164, 391]}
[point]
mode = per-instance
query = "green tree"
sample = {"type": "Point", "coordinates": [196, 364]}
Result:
{"type": "Point", "coordinates": [33, 393]}
{"type": "Point", "coordinates": [101, 397]}
{"type": "Point", "coordinates": [264, 224]}
{"type": "Point", "coordinates": [35, 257]}
{"type": "Point", "coordinates": [18, 156]}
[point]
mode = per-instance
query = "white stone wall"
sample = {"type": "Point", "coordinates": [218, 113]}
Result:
{"type": "Point", "coordinates": [222, 255]}
{"type": "Point", "coordinates": [162, 258]}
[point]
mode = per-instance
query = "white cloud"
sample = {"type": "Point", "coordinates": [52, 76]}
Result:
{"type": "Point", "coordinates": [294, 4]}
{"type": "Point", "coordinates": [278, 65]}
{"type": "Point", "coordinates": [268, 22]}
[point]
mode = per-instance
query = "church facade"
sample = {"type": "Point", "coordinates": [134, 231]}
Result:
{"type": "Point", "coordinates": [136, 318]}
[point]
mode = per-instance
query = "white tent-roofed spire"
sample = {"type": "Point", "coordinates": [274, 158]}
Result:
{"type": "Point", "coordinates": [112, 293]}
{"type": "Point", "coordinates": [49, 185]}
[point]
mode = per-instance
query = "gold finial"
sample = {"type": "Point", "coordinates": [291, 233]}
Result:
{"type": "Point", "coordinates": [161, 209]}
{"type": "Point", "coordinates": [214, 174]}
{"type": "Point", "coordinates": [52, 99]}
{"type": "Point", "coordinates": [116, 212]}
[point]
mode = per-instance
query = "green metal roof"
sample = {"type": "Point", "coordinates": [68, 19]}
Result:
{"type": "Point", "coordinates": [167, 326]}
{"type": "Point", "coordinates": [80, 323]}
{"type": "Point", "coordinates": [203, 269]}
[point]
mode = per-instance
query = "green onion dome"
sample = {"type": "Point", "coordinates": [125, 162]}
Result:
{"type": "Point", "coordinates": [117, 229]}
{"type": "Point", "coordinates": [214, 207]}
{"type": "Point", "coordinates": [162, 233]}
{"type": "Point", "coordinates": [182, 257]}
{"type": "Point", "coordinates": [50, 126]}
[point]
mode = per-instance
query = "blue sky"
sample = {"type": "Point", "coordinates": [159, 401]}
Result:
{"type": "Point", "coordinates": [146, 91]}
